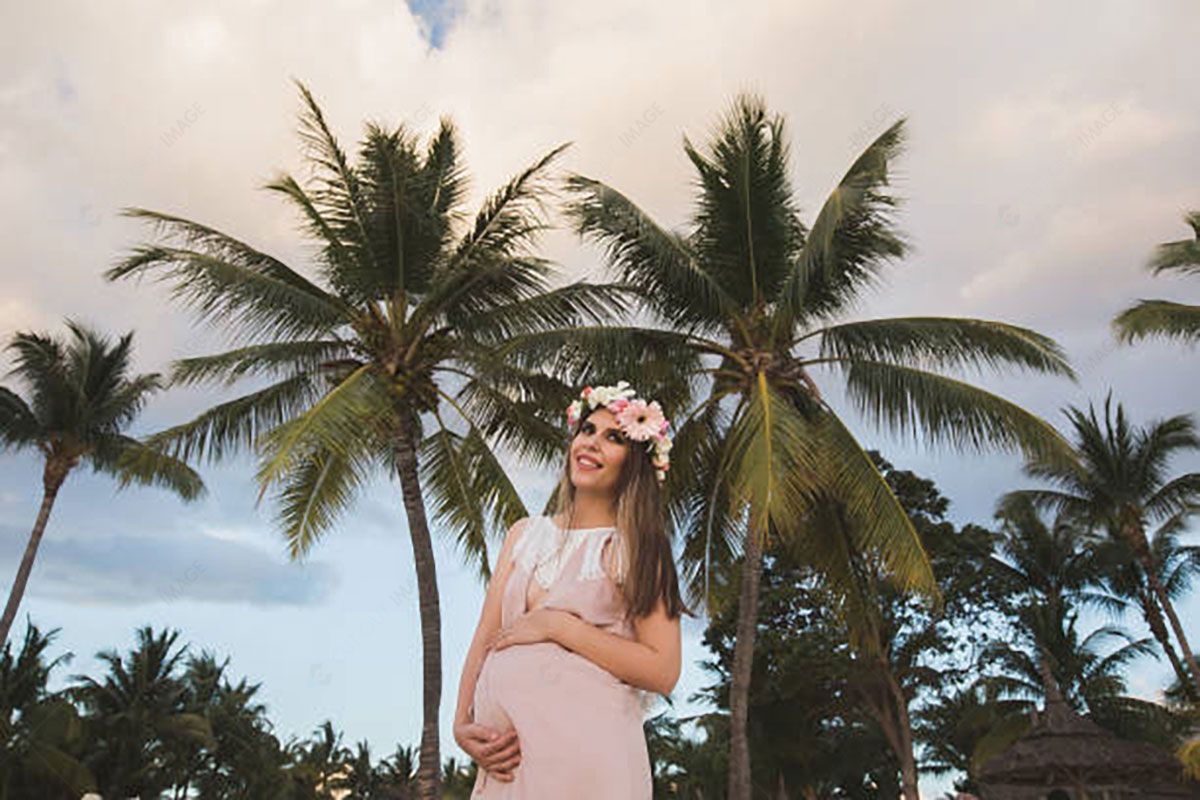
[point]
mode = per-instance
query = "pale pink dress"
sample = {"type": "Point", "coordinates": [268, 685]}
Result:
{"type": "Point", "coordinates": [580, 728]}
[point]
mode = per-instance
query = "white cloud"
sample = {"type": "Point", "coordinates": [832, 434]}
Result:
{"type": "Point", "coordinates": [1052, 121]}
{"type": "Point", "coordinates": [1011, 274]}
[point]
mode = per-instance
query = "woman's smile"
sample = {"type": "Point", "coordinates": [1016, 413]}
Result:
{"type": "Point", "coordinates": [586, 461]}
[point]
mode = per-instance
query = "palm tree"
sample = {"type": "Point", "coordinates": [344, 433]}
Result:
{"type": "Point", "coordinates": [81, 400]}
{"type": "Point", "coordinates": [1125, 586]}
{"type": "Point", "coordinates": [1164, 318]}
{"type": "Point", "coordinates": [363, 779]}
{"type": "Point", "coordinates": [138, 717]}
{"type": "Point", "coordinates": [458, 779]}
{"type": "Point", "coordinates": [961, 730]}
{"type": "Point", "coordinates": [1054, 563]}
{"type": "Point", "coordinates": [399, 771]}
{"type": "Point", "coordinates": [40, 731]}
{"type": "Point", "coordinates": [1051, 660]}
{"type": "Point", "coordinates": [1120, 485]}
{"type": "Point", "coordinates": [1050, 567]}
{"type": "Point", "coordinates": [403, 332]}
{"type": "Point", "coordinates": [238, 762]}
{"type": "Point", "coordinates": [742, 309]}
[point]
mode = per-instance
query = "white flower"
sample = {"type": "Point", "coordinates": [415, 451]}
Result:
{"type": "Point", "coordinates": [573, 412]}
{"type": "Point", "coordinates": [603, 395]}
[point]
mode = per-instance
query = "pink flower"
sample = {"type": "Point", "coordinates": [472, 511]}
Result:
{"type": "Point", "coordinates": [639, 420]}
{"type": "Point", "coordinates": [618, 405]}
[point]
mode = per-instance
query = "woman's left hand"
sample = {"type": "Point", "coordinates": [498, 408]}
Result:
{"type": "Point", "coordinates": [540, 625]}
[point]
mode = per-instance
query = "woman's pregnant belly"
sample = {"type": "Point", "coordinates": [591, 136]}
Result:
{"type": "Point", "coordinates": [548, 686]}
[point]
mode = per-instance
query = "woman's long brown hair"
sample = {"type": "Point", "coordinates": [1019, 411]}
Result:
{"type": "Point", "coordinates": [649, 572]}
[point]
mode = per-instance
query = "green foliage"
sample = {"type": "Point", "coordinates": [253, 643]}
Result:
{"type": "Point", "coordinates": [398, 329]}
{"type": "Point", "coordinates": [821, 706]}
{"type": "Point", "coordinates": [81, 399]}
{"type": "Point", "coordinates": [1163, 318]}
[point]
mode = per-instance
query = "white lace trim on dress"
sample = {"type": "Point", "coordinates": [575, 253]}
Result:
{"type": "Point", "coordinates": [545, 548]}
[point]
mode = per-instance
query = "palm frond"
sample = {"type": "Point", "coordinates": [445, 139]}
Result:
{"type": "Point", "coordinates": [408, 226]}
{"type": "Point", "coordinates": [492, 264]}
{"type": "Point", "coordinates": [118, 405]}
{"type": "Point", "coordinates": [248, 302]}
{"type": "Point", "coordinates": [335, 257]}
{"type": "Point", "coordinates": [851, 239]}
{"type": "Point", "coordinates": [700, 500]}
{"type": "Point", "coordinates": [19, 428]}
{"type": "Point", "coordinates": [660, 263]}
{"type": "Point", "coordinates": [1180, 495]}
{"type": "Point", "coordinates": [343, 201]}
{"type": "Point", "coordinates": [359, 406]}
{"type": "Point", "coordinates": [131, 461]}
{"type": "Point", "coordinates": [1158, 318]}
{"type": "Point", "coordinates": [747, 231]}
{"type": "Point", "coordinates": [664, 359]}
{"type": "Point", "coordinates": [939, 343]}
{"type": "Point", "coordinates": [944, 410]}
{"type": "Point", "coordinates": [1041, 499]}
{"type": "Point", "coordinates": [222, 247]}
{"type": "Point", "coordinates": [40, 362]}
{"type": "Point", "coordinates": [316, 490]}
{"type": "Point", "coordinates": [229, 427]}
{"type": "Point", "coordinates": [879, 524]}
{"type": "Point", "coordinates": [518, 415]}
{"type": "Point", "coordinates": [471, 494]}
{"type": "Point", "coordinates": [509, 219]}
{"type": "Point", "coordinates": [774, 465]}
{"type": "Point", "coordinates": [577, 303]}
{"type": "Point", "coordinates": [1183, 255]}
{"type": "Point", "coordinates": [271, 359]}
{"type": "Point", "coordinates": [488, 286]}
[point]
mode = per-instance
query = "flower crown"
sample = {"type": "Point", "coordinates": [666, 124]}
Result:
{"type": "Point", "coordinates": [638, 420]}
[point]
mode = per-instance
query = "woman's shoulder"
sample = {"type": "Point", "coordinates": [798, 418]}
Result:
{"type": "Point", "coordinates": [528, 531]}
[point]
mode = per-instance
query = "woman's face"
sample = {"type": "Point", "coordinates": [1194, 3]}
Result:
{"type": "Point", "coordinates": [597, 452]}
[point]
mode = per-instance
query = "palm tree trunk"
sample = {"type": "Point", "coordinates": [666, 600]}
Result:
{"type": "Point", "coordinates": [1169, 608]}
{"type": "Point", "coordinates": [1136, 537]}
{"type": "Point", "coordinates": [743, 661]}
{"type": "Point", "coordinates": [904, 738]}
{"type": "Point", "coordinates": [429, 785]}
{"type": "Point", "coordinates": [53, 476]}
{"type": "Point", "coordinates": [1153, 616]}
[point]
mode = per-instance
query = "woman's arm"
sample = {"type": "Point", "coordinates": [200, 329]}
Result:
{"type": "Point", "coordinates": [489, 623]}
{"type": "Point", "coordinates": [651, 662]}
{"type": "Point", "coordinates": [497, 754]}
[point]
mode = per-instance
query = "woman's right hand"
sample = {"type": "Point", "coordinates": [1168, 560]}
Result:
{"type": "Point", "coordinates": [498, 753]}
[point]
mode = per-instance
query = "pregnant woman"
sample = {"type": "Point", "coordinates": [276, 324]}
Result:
{"type": "Point", "coordinates": [581, 618]}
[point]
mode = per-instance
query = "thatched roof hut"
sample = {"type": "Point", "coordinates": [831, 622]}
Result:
{"type": "Point", "coordinates": [1067, 757]}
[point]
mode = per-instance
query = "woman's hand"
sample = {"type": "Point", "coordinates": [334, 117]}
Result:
{"type": "Point", "coordinates": [539, 625]}
{"type": "Point", "coordinates": [497, 753]}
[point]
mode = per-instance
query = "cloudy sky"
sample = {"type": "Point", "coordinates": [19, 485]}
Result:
{"type": "Point", "coordinates": [1051, 146]}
